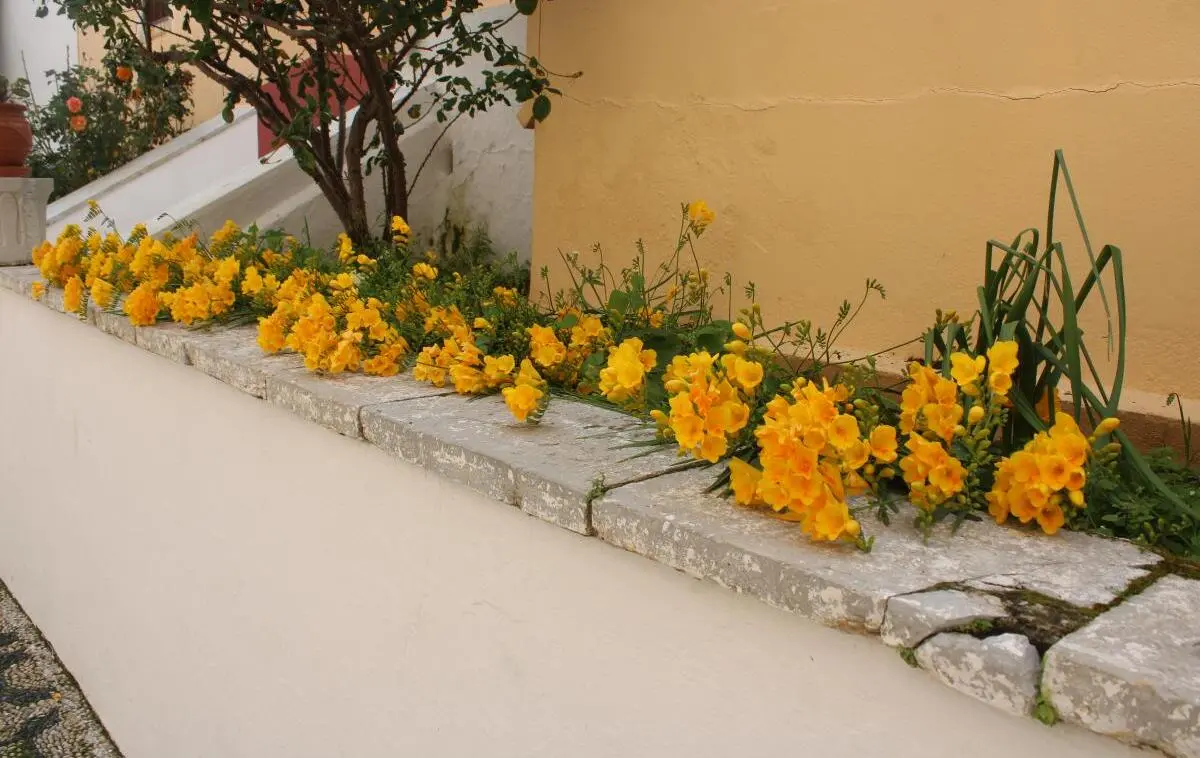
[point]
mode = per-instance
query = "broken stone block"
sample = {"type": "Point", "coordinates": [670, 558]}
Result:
{"type": "Point", "coordinates": [1002, 671]}
{"type": "Point", "coordinates": [911, 619]}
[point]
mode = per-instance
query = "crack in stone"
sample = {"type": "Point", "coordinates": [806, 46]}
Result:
{"type": "Point", "coordinates": [365, 406]}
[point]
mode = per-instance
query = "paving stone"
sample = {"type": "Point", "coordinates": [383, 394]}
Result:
{"type": "Point", "coordinates": [19, 278]}
{"type": "Point", "coordinates": [1134, 672]}
{"type": "Point", "coordinates": [117, 324]}
{"type": "Point", "coordinates": [1002, 671]}
{"type": "Point", "coordinates": [168, 340]}
{"type": "Point", "coordinates": [336, 402]}
{"type": "Point", "coordinates": [548, 469]}
{"type": "Point", "coordinates": [672, 520]}
{"type": "Point", "coordinates": [911, 619]}
{"type": "Point", "coordinates": [234, 357]}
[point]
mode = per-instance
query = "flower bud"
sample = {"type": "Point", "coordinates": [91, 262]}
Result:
{"type": "Point", "coordinates": [741, 330]}
{"type": "Point", "coordinates": [1107, 426]}
{"type": "Point", "coordinates": [975, 415]}
{"type": "Point", "coordinates": [737, 347]}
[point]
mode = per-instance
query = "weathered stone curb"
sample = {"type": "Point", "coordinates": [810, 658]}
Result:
{"type": "Point", "coordinates": [337, 402]}
{"type": "Point", "coordinates": [673, 520]}
{"type": "Point", "coordinates": [551, 470]}
{"type": "Point", "coordinates": [1133, 672]}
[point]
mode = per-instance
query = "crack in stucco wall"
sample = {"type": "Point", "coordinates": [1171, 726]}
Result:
{"type": "Point", "coordinates": [765, 105]}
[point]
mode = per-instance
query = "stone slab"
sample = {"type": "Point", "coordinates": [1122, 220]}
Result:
{"type": "Point", "coordinates": [1134, 672]}
{"type": "Point", "coordinates": [113, 323]}
{"type": "Point", "coordinates": [550, 469]}
{"type": "Point", "coordinates": [20, 279]}
{"type": "Point", "coordinates": [1001, 671]}
{"type": "Point", "coordinates": [336, 402]}
{"type": "Point", "coordinates": [234, 357]}
{"type": "Point", "coordinates": [672, 520]}
{"type": "Point", "coordinates": [911, 619]}
{"type": "Point", "coordinates": [166, 339]}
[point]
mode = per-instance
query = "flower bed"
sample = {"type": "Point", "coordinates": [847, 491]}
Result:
{"type": "Point", "coordinates": [975, 428]}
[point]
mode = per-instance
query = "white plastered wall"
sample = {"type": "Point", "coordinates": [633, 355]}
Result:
{"type": "Point", "coordinates": [224, 579]}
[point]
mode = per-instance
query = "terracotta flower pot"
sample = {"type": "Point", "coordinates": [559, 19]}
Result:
{"type": "Point", "coordinates": [16, 140]}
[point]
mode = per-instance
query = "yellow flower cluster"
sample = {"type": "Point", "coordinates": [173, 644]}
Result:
{"type": "Point", "coordinates": [335, 333]}
{"type": "Point", "coordinates": [526, 399]}
{"type": "Point", "coordinates": [623, 380]}
{"type": "Point", "coordinates": [932, 414]}
{"type": "Point", "coordinates": [707, 404]}
{"type": "Point", "coordinates": [1049, 473]}
{"type": "Point", "coordinates": [561, 361]}
{"type": "Point", "coordinates": [700, 216]}
{"type": "Point", "coordinates": [812, 454]}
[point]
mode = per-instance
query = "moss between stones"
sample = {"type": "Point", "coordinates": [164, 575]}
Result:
{"type": "Point", "coordinates": [1043, 619]}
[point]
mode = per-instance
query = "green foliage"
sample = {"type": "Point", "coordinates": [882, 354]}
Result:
{"type": "Point", "coordinates": [97, 123]}
{"type": "Point", "coordinates": [1135, 511]}
{"type": "Point", "coordinates": [1045, 712]}
{"type": "Point", "coordinates": [305, 66]}
{"type": "Point", "coordinates": [1030, 295]}
{"type": "Point", "coordinates": [462, 249]}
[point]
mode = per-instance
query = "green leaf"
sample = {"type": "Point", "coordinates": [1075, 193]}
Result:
{"type": "Point", "coordinates": [526, 7]}
{"type": "Point", "coordinates": [541, 108]}
{"type": "Point", "coordinates": [665, 344]}
{"type": "Point", "coordinates": [567, 321]}
{"type": "Point", "coordinates": [618, 302]}
{"type": "Point", "coordinates": [201, 10]}
{"type": "Point", "coordinates": [712, 338]}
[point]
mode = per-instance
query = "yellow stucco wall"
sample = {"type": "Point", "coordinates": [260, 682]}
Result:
{"type": "Point", "coordinates": [839, 141]}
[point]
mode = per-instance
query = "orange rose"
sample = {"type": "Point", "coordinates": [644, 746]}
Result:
{"type": "Point", "coordinates": [74, 105]}
{"type": "Point", "coordinates": [78, 123]}
{"type": "Point", "coordinates": [124, 74]}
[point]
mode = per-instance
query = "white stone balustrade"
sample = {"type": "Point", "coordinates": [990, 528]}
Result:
{"type": "Point", "coordinates": [22, 218]}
